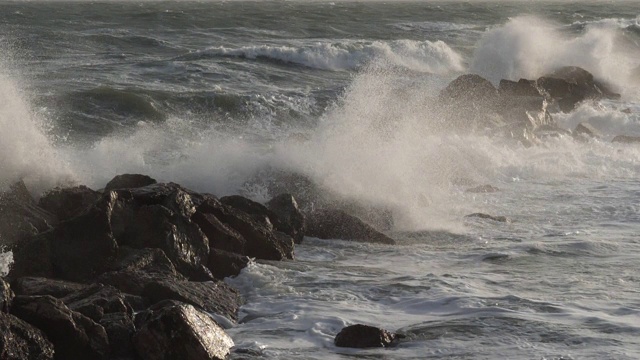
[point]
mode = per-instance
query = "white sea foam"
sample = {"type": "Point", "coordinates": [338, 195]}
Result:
{"type": "Point", "coordinates": [528, 47]}
{"type": "Point", "coordinates": [426, 56]}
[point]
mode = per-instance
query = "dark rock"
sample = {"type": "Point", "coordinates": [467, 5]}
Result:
{"type": "Point", "coordinates": [223, 263]}
{"type": "Point", "coordinates": [258, 212]}
{"type": "Point", "coordinates": [21, 341]}
{"type": "Point", "coordinates": [291, 220]}
{"type": "Point", "coordinates": [336, 224]}
{"type": "Point", "coordinates": [587, 130]}
{"type": "Point", "coordinates": [67, 203]}
{"type": "Point", "coordinates": [74, 335]}
{"type": "Point", "coordinates": [529, 112]}
{"type": "Point", "coordinates": [364, 336]}
{"type": "Point", "coordinates": [135, 268]}
{"type": "Point", "coordinates": [6, 296]}
{"type": "Point", "coordinates": [522, 87]}
{"type": "Point", "coordinates": [31, 286]}
{"type": "Point", "coordinates": [20, 216]}
{"type": "Point", "coordinates": [483, 189]}
{"type": "Point", "coordinates": [181, 332]}
{"type": "Point", "coordinates": [490, 217]}
{"type": "Point", "coordinates": [211, 296]}
{"type": "Point", "coordinates": [468, 104]}
{"type": "Point", "coordinates": [97, 300]}
{"type": "Point", "coordinates": [626, 139]}
{"type": "Point", "coordinates": [120, 330]}
{"type": "Point", "coordinates": [571, 85]}
{"type": "Point", "coordinates": [261, 242]}
{"type": "Point", "coordinates": [129, 181]}
{"type": "Point", "coordinates": [469, 88]}
{"type": "Point", "coordinates": [32, 258]}
{"type": "Point", "coordinates": [220, 235]}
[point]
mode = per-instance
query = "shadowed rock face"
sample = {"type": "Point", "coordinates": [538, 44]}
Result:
{"type": "Point", "coordinates": [336, 224]}
{"type": "Point", "coordinates": [31, 286]}
{"type": "Point", "coordinates": [21, 341]}
{"type": "Point", "coordinates": [364, 336]}
{"type": "Point", "coordinates": [291, 220]}
{"type": "Point", "coordinates": [180, 332]}
{"type": "Point", "coordinates": [129, 181]}
{"type": "Point", "coordinates": [66, 203]}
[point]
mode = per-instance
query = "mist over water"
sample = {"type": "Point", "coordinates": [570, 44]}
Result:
{"type": "Point", "coordinates": [215, 95]}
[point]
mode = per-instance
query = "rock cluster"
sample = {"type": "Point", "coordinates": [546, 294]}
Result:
{"type": "Point", "coordinates": [135, 271]}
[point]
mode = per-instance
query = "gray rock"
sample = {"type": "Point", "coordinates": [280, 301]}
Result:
{"type": "Point", "coordinates": [181, 332]}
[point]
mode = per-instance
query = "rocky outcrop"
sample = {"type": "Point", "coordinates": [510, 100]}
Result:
{"type": "Point", "coordinates": [21, 341]}
{"type": "Point", "coordinates": [67, 203]}
{"type": "Point", "coordinates": [365, 336]}
{"type": "Point", "coordinates": [291, 219]}
{"type": "Point", "coordinates": [129, 181]}
{"type": "Point", "coordinates": [180, 331]}
{"type": "Point", "coordinates": [336, 224]}
{"type": "Point", "coordinates": [20, 216]}
{"type": "Point", "coordinates": [73, 335]}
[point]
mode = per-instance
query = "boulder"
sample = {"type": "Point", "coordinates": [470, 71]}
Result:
{"type": "Point", "coordinates": [258, 212]}
{"type": "Point", "coordinates": [365, 336]}
{"type": "Point", "coordinates": [571, 85]}
{"type": "Point", "coordinates": [490, 217]}
{"type": "Point", "coordinates": [223, 263]}
{"type": "Point", "coordinates": [129, 181]}
{"type": "Point", "coordinates": [21, 341]}
{"type": "Point", "coordinates": [522, 87]}
{"type": "Point", "coordinates": [120, 330]}
{"type": "Point", "coordinates": [469, 104]}
{"type": "Point", "coordinates": [133, 269]}
{"type": "Point", "coordinates": [97, 300]}
{"type": "Point", "coordinates": [291, 220]}
{"type": "Point", "coordinates": [220, 235]}
{"type": "Point", "coordinates": [181, 332]}
{"type": "Point", "coordinates": [73, 335]}
{"type": "Point", "coordinates": [211, 296]}
{"type": "Point", "coordinates": [483, 189]}
{"type": "Point", "coordinates": [6, 296]}
{"type": "Point", "coordinates": [587, 130]}
{"type": "Point", "coordinates": [626, 139]}
{"type": "Point", "coordinates": [31, 286]}
{"type": "Point", "coordinates": [261, 241]}
{"type": "Point", "coordinates": [20, 216]}
{"type": "Point", "coordinates": [66, 203]}
{"type": "Point", "coordinates": [336, 224]}
{"type": "Point", "coordinates": [469, 88]}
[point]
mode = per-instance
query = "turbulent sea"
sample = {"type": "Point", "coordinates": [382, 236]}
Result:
{"type": "Point", "coordinates": [214, 94]}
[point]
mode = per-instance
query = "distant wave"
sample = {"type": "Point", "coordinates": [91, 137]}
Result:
{"type": "Point", "coordinates": [434, 26]}
{"type": "Point", "coordinates": [427, 56]}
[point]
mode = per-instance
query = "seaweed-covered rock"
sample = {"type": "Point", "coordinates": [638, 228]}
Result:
{"type": "Point", "coordinates": [181, 332]}
{"type": "Point", "coordinates": [211, 296]}
{"type": "Point", "coordinates": [31, 286]}
{"type": "Point", "coordinates": [74, 335]}
{"type": "Point", "coordinates": [129, 181]}
{"type": "Point", "coordinates": [336, 224]}
{"type": "Point", "coordinates": [291, 220]}
{"type": "Point", "coordinates": [68, 202]}
{"type": "Point", "coordinates": [365, 336]}
{"type": "Point", "coordinates": [21, 341]}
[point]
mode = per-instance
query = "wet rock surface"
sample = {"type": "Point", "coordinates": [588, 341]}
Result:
{"type": "Point", "coordinates": [129, 181]}
{"type": "Point", "coordinates": [22, 341]}
{"type": "Point", "coordinates": [67, 203]}
{"type": "Point", "coordinates": [365, 336]}
{"type": "Point", "coordinates": [337, 224]}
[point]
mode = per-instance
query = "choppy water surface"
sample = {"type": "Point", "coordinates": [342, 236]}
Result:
{"type": "Point", "coordinates": [211, 94]}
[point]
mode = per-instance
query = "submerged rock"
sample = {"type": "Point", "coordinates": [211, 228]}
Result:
{"type": "Point", "coordinates": [588, 130]}
{"type": "Point", "coordinates": [73, 335]}
{"type": "Point", "coordinates": [21, 341]}
{"type": "Point", "coordinates": [336, 224]}
{"type": "Point", "coordinates": [365, 336]}
{"type": "Point", "coordinates": [180, 332]}
{"type": "Point", "coordinates": [490, 217]}
{"type": "Point", "coordinates": [129, 181]}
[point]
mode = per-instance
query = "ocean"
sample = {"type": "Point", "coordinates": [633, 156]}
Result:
{"type": "Point", "coordinates": [219, 95]}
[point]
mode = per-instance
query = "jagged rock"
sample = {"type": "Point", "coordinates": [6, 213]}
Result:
{"type": "Point", "coordinates": [181, 332]}
{"type": "Point", "coordinates": [73, 335]}
{"type": "Point", "coordinates": [31, 286]}
{"type": "Point", "coordinates": [490, 217]}
{"type": "Point", "coordinates": [97, 300]}
{"type": "Point", "coordinates": [291, 220]}
{"type": "Point", "coordinates": [211, 296]}
{"type": "Point", "coordinates": [626, 139]}
{"type": "Point", "coordinates": [522, 87]}
{"type": "Point", "coordinates": [120, 330]}
{"type": "Point", "coordinates": [365, 336]}
{"type": "Point", "coordinates": [571, 85]}
{"type": "Point", "coordinates": [258, 212]}
{"type": "Point", "coordinates": [129, 181]}
{"type": "Point", "coordinates": [159, 216]}
{"type": "Point", "coordinates": [220, 235]}
{"type": "Point", "coordinates": [588, 130]}
{"type": "Point", "coordinates": [261, 242]}
{"type": "Point", "coordinates": [66, 203]}
{"type": "Point", "coordinates": [6, 296]}
{"type": "Point", "coordinates": [336, 224]}
{"type": "Point", "coordinates": [135, 268]}
{"type": "Point", "coordinates": [483, 189]}
{"type": "Point", "coordinates": [20, 216]}
{"type": "Point", "coordinates": [223, 263]}
{"type": "Point", "coordinates": [21, 341]}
